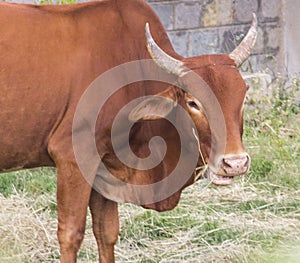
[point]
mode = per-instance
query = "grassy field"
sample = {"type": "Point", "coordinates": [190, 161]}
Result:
{"type": "Point", "coordinates": [257, 219]}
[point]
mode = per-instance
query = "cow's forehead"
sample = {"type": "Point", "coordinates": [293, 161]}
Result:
{"type": "Point", "coordinates": [208, 60]}
{"type": "Point", "coordinates": [216, 70]}
{"type": "Point", "coordinates": [220, 74]}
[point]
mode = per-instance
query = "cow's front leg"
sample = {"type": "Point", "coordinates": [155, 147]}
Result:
{"type": "Point", "coordinates": [73, 193]}
{"type": "Point", "coordinates": [105, 225]}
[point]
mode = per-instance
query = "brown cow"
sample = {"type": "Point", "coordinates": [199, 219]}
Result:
{"type": "Point", "coordinates": [49, 55]}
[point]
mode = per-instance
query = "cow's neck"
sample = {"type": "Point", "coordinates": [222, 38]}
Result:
{"type": "Point", "coordinates": [140, 138]}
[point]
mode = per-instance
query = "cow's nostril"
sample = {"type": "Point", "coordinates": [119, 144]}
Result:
{"type": "Point", "coordinates": [247, 163]}
{"type": "Point", "coordinates": [226, 164]}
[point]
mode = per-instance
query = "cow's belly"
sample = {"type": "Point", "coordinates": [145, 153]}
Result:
{"type": "Point", "coordinates": [26, 125]}
{"type": "Point", "coordinates": [16, 154]}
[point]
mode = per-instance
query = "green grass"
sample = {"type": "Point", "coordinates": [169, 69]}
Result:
{"type": "Point", "coordinates": [257, 219]}
{"type": "Point", "coordinates": [273, 135]}
{"type": "Point", "coordinates": [34, 182]}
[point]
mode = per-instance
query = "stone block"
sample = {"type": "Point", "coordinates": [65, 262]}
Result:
{"type": "Point", "coordinates": [259, 86]}
{"type": "Point", "coordinates": [273, 36]}
{"type": "Point", "coordinates": [270, 9]}
{"type": "Point", "coordinates": [263, 62]}
{"type": "Point", "coordinates": [243, 10]}
{"type": "Point", "coordinates": [216, 13]}
{"type": "Point", "coordinates": [187, 15]}
{"type": "Point", "coordinates": [203, 41]}
{"type": "Point", "coordinates": [179, 41]}
{"type": "Point", "coordinates": [166, 14]}
{"type": "Point", "coordinates": [271, 62]}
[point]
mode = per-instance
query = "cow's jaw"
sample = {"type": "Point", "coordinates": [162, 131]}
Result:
{"type": "Point", "coordinates": [220, 180]}
{"type": "Point", "coordinates": [204, 172]}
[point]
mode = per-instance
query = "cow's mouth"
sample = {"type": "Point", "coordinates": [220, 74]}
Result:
{"type": "Point", "coordinates": [220, 180]}
{"type": "Point", "coordinates": [214, 178]}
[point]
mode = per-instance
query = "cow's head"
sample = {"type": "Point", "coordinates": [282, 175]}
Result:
{"type": "Point", "coordinates": [220, 73]}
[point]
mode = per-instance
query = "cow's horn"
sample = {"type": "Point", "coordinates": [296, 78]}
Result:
{"type": "Point", "coordinates": [243, 50]}
{"type": "Point", "coordinates": [162, 59]}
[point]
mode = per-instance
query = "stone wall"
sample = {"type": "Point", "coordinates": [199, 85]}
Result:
{"type": "Point", "coordinates": [213, 26]}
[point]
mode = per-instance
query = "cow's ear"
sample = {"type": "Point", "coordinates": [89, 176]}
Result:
{"type": "Point", "coordinates": [155, 107]}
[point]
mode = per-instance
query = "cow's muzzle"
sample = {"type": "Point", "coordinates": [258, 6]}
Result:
{"type": "Point", "coordinates": [228, 166]}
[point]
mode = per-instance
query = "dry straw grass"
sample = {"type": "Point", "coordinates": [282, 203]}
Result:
{"type": "Point", "coordinates": [252, 226]}
{"type": "Point", "coordinates": [28, 229]}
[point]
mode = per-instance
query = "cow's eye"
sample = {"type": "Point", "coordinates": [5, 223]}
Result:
{"type": "Point", "coordinates": [193, 104]}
